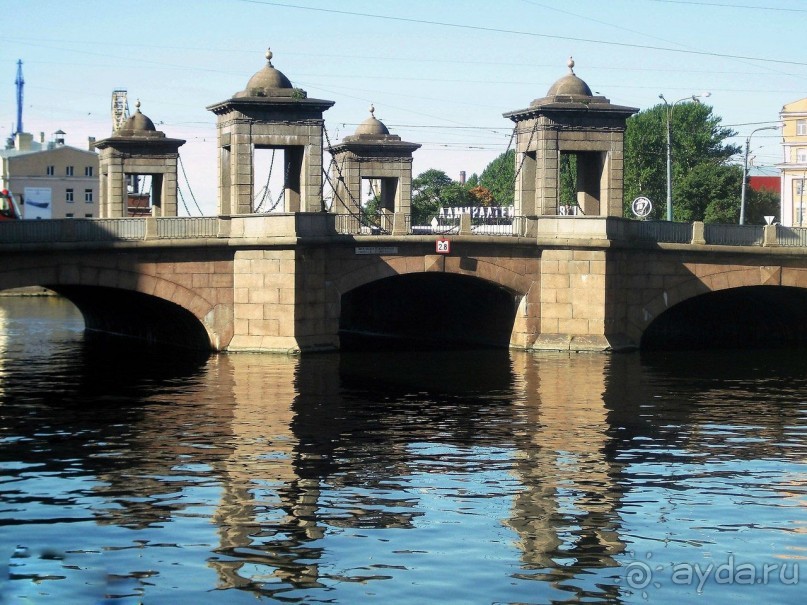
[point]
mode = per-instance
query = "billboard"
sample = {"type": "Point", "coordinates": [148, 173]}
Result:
{"type": "Point", "coordinates": [37, 203]}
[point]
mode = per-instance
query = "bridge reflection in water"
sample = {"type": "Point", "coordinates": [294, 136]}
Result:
{"type": "Point", "coordinates": [349, 449]}
{"type": "Point", "coordinates": [509, 475]}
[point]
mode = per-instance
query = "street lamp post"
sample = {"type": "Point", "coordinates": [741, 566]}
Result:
{"type": "Point", "coordinates": [670, 107]}
{"type": "Point", "coordinates": [745, 169]}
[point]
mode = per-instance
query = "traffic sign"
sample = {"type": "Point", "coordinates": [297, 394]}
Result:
{"type": "Point", "coordinates": [442, 246]}
{"type": "Point", "coordinates": [641, 206]}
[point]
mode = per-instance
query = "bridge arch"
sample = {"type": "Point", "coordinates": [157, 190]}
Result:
{"type": "Point", "coordinates": [495, 271]}
{"type": "Point", "coordinates": [124, 302]}
{"type": "Point", "coordinates": [705, 309]}
{"type": "Point", "coordinates": [473, 302]}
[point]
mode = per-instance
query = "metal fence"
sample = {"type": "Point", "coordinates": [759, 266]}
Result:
{"type": "Point", "coordinates": [437, 225]}
{"type": "Point", "coordinates": [734, 235]}
{"type": "Point", "coordinates": [187, 227]}
{"type": "Point", "coordinates": [450, 225]}
{"type": "Point", "coordinates": [362, 224]}
{"type": "Point", "coordinates": [72, 230]}
{"type": "Point", "coordinates": [660, 231]}
{"type": "Point", "coordinates": [133, 229]}
{"type": "Point", "coordinates": [791, 236]}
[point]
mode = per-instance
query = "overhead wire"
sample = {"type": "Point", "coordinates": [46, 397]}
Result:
{"type": "Point", "coordinates": [187, 182]}
{"type": "Point", "coordinates": [517, 32]}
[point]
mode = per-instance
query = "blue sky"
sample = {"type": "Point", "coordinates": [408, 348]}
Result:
{"type": "Point", "coordinates": [439, 72]}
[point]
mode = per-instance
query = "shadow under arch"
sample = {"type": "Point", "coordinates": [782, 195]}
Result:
{"type": "Point", "coordinates": [433, 309]}
{"type": "Point", "coordinates": [133, 314]}
{"type": "Point", "coordinates": [744, 317]}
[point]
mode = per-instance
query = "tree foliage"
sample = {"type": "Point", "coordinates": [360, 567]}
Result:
{"type": "Point", "coordinates": [712, 194]}
{"type": "Point", "coordinates": [760, 204]}
{"type": "Point", "coordinates": [699, 151]}
{"type": "Point", "coordinates": [428, 191]}
{"type": "Point", "coordinates": [499, 178]}
{"type": "Point", "coordinates": [434, 189]}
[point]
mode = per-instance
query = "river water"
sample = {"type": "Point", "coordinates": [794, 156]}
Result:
{"type": "Point", "coordinates": [134, 475]}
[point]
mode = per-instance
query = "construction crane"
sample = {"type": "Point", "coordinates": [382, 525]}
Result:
{"type": "Point", "coordinates": [20, 83]}
{"type": "Point", "coordinates": [120, 108]}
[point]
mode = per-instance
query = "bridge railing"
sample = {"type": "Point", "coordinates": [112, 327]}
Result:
{"type": "Point", "coordinates": [734, 235]}
{"type": "Point", "coordinates": [362, 224]}
{"type": "Point", "coordinates": [515, 226]}
{"type": "Point", "coordinates": [386, 224]}
{"type": "Point", "coordinates": [660, 231]}
{"type": "Point", "coordinates": [791, 236]}
{"type": "Point", "coordinates": [72, 230]}
{"type": "Point", "coordinates": [187, 227]}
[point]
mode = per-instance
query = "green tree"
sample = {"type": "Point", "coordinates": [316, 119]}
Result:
{"type": "Point", "coordinates": [712, 192]}
{"type": "Point", "coordinates": [698, 138]}
{"type": "Point", "coordinates": [456, 194]}
{"type": "Point", "coordinates": [427, 193]}
{"type": "Point", "coordinates": [498, 177]}
{"type": "Point", "coordinates": [760, 204]}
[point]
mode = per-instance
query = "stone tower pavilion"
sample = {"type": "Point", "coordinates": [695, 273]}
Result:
{"type": "Point", "coordinates": [136, 149]}
{"type": "Point", "coordinates": [270, 114]}
{"type": "Point", "coordinates": [373, 154]}
{"type": "Point", "coordinates": [570, 119]}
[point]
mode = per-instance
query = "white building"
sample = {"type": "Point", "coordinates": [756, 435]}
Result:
{"type": "Point", "coordinates": [794, 166]}
{"type": "Point", "coordinates": [51, 179]}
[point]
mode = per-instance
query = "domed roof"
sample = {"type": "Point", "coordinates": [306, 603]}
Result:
{"type": "Point", "coordinates": [569, 85]}
{"type": "Point", "coordinates": [267, 79]}
{"type": "Point", "coordinates": [138, 123]}
{"type": "Point", "coordinates": [138, 126]}
{"type": "Point", "coordinates": [372, 125]}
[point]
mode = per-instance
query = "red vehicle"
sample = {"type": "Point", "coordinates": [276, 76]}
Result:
{"type": "Point", "coordinates": [9, 211]}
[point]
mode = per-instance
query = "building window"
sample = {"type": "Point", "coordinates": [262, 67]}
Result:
{"type": "Point", "coordinates": [801, 155]}
{"type": "Point", "coordinates": [88, 196]}
{"type": "Point", "coordinates": [68, 195]}
{"type": "Point", "coordinates": [50, 170]}
{"type": "Point", "coordinates": [801, 127]}
{"type": "Point", "coordinates": [88, 215]}
{"type": "Point", "coordinates": [68, 171]}
{"type": "Point", "coordinates": [69, 215]}
{"type": "Point", "coordinates": [799, 183]}
{"type": "Point", "coordinates": [88, 171]}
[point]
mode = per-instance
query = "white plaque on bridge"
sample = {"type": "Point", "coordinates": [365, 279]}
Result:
{"type": "Point", "coordinates": [376, 249]}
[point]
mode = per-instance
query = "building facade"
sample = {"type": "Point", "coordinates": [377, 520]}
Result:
{"type": "Point", "coordinates": [51, 179]}
{"type": "Point", "coordinates": [794, 165]}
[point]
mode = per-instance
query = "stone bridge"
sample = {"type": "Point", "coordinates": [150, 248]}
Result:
{"type": "Point", "coordinates": [294, 283]}
{"type": "Point", "coordinates": [325, 271]}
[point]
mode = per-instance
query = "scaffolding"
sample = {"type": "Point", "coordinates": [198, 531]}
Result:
{"type": "Point", "coordinates": [120, 109]}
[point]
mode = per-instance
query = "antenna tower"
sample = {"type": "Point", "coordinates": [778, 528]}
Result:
{"type": "Point", "coordinates": [20, 83]}
{"type": "Point", "coordinates": [120, 108]}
